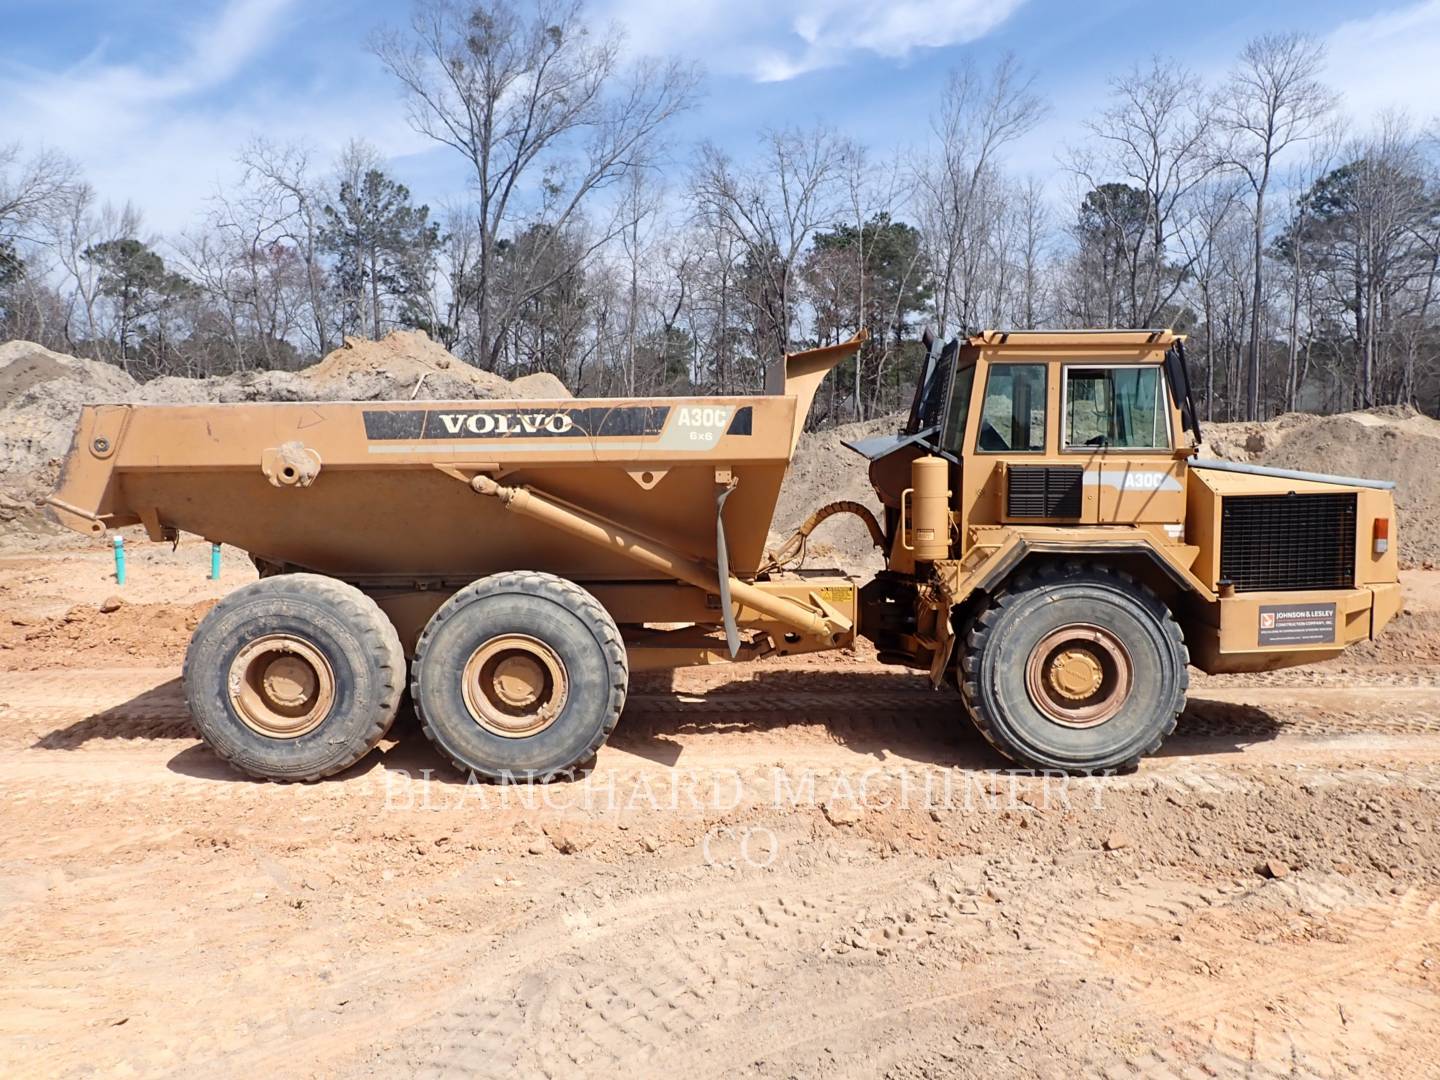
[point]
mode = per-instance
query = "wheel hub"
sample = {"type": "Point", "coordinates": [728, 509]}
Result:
{"type": "Point", "coordinates": [1079, 675]}
{"type": "Point", "coordinates": [515, 685]}
{"type": "Point", "coordinates": [1075, 674]}
{"type": "Point", "coordinates": [289, 681]}
{"type": "Point", "coordinates": [281, 686]}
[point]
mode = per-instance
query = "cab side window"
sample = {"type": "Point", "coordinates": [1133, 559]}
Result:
{"type": "Point", "coordinates": [1121, 407]}
{"type": "Point", "coordinates": [1013, 417]}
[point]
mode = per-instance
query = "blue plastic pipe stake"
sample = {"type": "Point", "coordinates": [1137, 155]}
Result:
{"type": "Point", "coordinates": [214, 562]}
{"type": "Point", "coordinates": [119, 560]}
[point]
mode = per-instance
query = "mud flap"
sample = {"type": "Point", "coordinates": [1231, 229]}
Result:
{"type": "Point", "coordinates": [944, 649]}
{"type": "Point", "coordinates": [722, 566]}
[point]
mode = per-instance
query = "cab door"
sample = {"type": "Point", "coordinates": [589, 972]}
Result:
{"type": "Point", "coordinates": [1117, 419]}
{"type": "Point", "coordinates": [1013, 470]}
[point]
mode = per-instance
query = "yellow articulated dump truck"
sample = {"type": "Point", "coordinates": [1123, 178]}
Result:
{"type": "Point", "coordinates": [1055, 550]}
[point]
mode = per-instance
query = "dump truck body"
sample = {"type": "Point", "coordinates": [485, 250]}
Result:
{"type": "Point", "coordinates": [1054, 547]}
{"type": "Point", "coordinates": [367, 497]}
{"type": "Point", "coordinates": [380, 495]}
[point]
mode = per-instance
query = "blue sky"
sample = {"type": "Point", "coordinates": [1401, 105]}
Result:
{"type": "Point", "coordinates": [155, 98]}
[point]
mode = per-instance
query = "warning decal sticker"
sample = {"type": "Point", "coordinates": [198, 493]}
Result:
{"type": "Point", "coordinates": [1297, 624]}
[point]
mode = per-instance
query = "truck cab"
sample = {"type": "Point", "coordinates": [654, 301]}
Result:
{"type": "Point", "coordinates": [1068, 464]}
{"type": "Point", "coordinates": [1060, 428]}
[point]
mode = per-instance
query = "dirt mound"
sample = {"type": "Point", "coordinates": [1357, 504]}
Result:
{"type": "Point", "coordinates": [404, 365]}
{"type": "Point", "coordinates": [1390, 443]}
{"type": "Point", "coordinates": [542, 386]}
{"type": "Point", "coordinates": [41, 393]}
{"type": "Point", "coordinates": [25, 366]}
{"type": "Point", "coordinates": [824, 470]}
{"type": "Point", "coordinates": [156, 633]}
{"type": "Point", "coordinates": [399, 365]}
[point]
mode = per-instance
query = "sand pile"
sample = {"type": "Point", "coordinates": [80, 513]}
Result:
{"type": "Point", "coordinates": [24, 366]}
{"type": "Point", "coordinates": [1390, 443]}
{"type": "Point", "coordinates": [824, 471]}
{"type": "Point", "coordinates": [403, 365]}
{"type": "Point", "coordinates": [41, 393]}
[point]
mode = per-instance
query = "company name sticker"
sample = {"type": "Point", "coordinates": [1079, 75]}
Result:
{"type": "Point", "coordinates": [1297, 624]}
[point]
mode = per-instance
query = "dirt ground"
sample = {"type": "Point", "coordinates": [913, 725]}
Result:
{"type": "Point", "coordinates": [804, 869]}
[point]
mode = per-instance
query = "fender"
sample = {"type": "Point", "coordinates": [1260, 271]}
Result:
{"type": "Point", "coordinates": [994, 563]}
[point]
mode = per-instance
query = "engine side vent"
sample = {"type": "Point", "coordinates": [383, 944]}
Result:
{"type": "Point", "coordinates": [1044, 491]}
{"type": "Point", "coordinates": [1275, 542]}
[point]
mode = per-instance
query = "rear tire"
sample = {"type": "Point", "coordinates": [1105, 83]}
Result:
{"type": "Point", "coordinates": [294, 677]}
{"type": "Point", "coordinates": [1075, 668]}
{"type": "Point", "coordinates": [519, 676]}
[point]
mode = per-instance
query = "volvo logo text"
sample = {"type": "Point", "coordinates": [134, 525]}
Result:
{"type": "Point", "coordinates": [482, 423]}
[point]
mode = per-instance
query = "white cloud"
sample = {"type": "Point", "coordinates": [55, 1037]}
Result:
{"type": "Point", "coordinates": [780, 39]}
{"type": "Point", "coordinates": [1389, 60]}
{"type": "Point", "coordinates": [164, 136]}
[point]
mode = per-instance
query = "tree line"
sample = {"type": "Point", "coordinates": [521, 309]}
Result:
{"type": "Point", "coordinates": [1301, 258]}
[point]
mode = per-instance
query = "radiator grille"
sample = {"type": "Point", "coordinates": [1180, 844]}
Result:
{"type": "Point", "coordinates": [1044, 491]}
{"type": "Point", "coordinates": [1288, 541]}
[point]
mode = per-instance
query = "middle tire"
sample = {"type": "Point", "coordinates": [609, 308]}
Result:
{"type": "Point", "coordinates": [519, 676]}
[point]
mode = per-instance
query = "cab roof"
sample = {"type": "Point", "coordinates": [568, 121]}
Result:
{"type": "Point", "coordinates": [1080, 339]}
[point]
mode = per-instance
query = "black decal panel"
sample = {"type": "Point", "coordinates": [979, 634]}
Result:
{"type": "Point", "coordinates": [394, 425]}
{"type": "Point", "coordinates": [622, 421]}
{"type": "Point", "coordinates": [743, 421]}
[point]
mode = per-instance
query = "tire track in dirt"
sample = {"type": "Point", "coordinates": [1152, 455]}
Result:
{"type": "Point", "coordinates": [1023, 951]}
{"type": "Point", "coordinates": [634, 982]}
{"type": "Point", "coordinates": [1273, 1006]}
{"type": "Point", "coordinates": [1343, 1004]}
{"type": "Point", "coordinates": [696, 963]}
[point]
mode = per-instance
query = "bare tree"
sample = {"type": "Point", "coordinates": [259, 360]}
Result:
{"type": "Point", "coordinates": [1209, 231]}
{"type": "Point", "coordinates": [641, 202]}
{"type": "Point", "coordinates": [283, 175]}
{"type": "Point", "coordinates": [1033, 219]}
{"type": "Point", "coordinates": [76, 227]}
{"type": "Point", "coordinates": [978, 117]}
{"type": "Point", "coordinates": [1272, 99]}
{"type": "Point", "coordinates": [450, 303]}
{"type": "Point", "coordinates": [545, 115]}
{"type": "Point", "coordinates": [31, 189]}
{"type": "Point", "coordinates": [1294, 250]}
{"type": "Point", "coordinates": [772, 210]}
{"type": "Point", "coordinates": [1154, 138]}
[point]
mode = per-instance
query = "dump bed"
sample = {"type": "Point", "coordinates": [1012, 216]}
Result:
{"type": "Point", "coordinates": [379, 490]}
{"type": "Point", "coordinates": [367, 491]}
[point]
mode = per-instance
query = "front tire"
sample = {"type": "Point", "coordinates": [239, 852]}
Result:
{"type": "Point", "coordinates": [519, 676]}
{"type": "Point", "coordinates": [294, 677]}
{"type": "Point", "coordinates": [1075, 668]}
